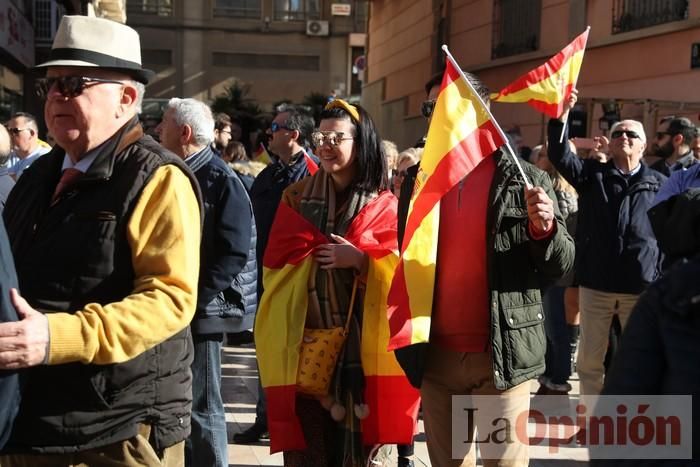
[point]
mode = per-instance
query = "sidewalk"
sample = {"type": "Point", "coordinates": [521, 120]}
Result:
{"type": "Point", "coordinates": [240, 379]}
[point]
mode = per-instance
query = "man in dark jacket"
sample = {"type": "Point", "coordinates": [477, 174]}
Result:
{"type": "Point", "coordinates": [672, 144]}
{"type": "Point", "coordinates": [105, 232]}
{"type": "Point", "coordinates": [617, 251]}
{"type": "Point", "coordinates": [9, 380]}
{"type": "Point", "coordinates": [290, 133]}
{"type": "Point", "coordinates": [499, 243]}
{"type": "Point", "coordinates": [187, 130]}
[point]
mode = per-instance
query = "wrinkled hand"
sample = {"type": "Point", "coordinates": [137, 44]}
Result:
{"type": "Point", "coordinates": [568, 105]}
{"type": "Point", "coordinates": [23, 343]}
{"type": "Point", "coordinates": [540, 210]}
{"type": "Point", "coordinates": [341, 254]}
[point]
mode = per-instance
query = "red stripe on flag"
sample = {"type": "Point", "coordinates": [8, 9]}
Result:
{"type": "Point", "coordinates": [451, 75]}
{"type": "Point", "coordinates": [292, 238]}
{"type": "Point", "coordinates": [547, 108]}
{"type": "Point", "coordinates": [454, 166]}
{"type": "Point", "coordinates": [393, 408]}
{"type": "Point", "coordinates": [282, 421]}
{"type": "Point", "coordinates": [310, 164]}
{"type": "Point", "coordinates": [399, 311]}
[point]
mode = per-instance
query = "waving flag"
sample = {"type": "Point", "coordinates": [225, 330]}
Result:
{"type": "Point", "coordinates": [547, 87]}
{"type": "Point", "coordinates": [393, 403]}
{"type": "Point", "coordinates": [261, 155]}
{"type": "Point", "coordinates": [462, 133]}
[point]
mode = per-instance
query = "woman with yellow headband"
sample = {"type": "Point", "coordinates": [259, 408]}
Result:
{"type": "Point", "coordinates": [332, 252]}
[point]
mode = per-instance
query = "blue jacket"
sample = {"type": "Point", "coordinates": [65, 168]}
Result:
{"type": "Point", "coordinates": [9, 380]}
{"type": "Point", "coordinates": [616, 247]}
{"type": "Point", "coordinates": [227, 298]}
{"type": "Point", "coordinates": [266, 194]}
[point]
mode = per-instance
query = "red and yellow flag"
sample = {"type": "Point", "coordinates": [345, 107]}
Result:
{"type": "Point", "coordinates": [261, 155]}
{"type": "Point", "coordinates": [547, 87]}
{"type": "Point", "coordinates": [393, 403]}
{"type": "Point", "coordinates": [311, 164]}
{"type": "Point", "coordinates": [461, 135]}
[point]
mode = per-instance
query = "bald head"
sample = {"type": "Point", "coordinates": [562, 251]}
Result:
{"type": "Point", "coordinates": [5, 145]}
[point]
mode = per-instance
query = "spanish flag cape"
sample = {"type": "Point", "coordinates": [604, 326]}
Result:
{"type": "Point", "coordinates": [393, 403]}
{"type": "Point", "coordinates": [547, 87]}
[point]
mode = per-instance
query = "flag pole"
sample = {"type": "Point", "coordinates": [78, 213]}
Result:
{"type": "Point", "coordinates": [495, 123]}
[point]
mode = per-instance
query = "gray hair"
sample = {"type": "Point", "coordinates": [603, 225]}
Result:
{"type": "Point", "coordinates": [141, 91]}
{"type": "Point", "coordinates": [197, 115]}
{"type": "Point", "coordinates": [634, 123]}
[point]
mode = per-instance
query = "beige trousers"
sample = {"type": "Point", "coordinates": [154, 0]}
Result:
{"type": "Point", "coordinates": [449, 373]}
{"type": "Point", "coordinates": [133, 452]}
{"type": "Point", "coordinates": [597, 310]}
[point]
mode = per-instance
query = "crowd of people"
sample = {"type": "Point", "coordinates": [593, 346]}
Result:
{"type": "Point", "coordinates": [125, 262]}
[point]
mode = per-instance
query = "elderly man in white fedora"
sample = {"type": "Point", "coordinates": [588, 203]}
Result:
{"type": "Point", "coordinates": [105, 230]}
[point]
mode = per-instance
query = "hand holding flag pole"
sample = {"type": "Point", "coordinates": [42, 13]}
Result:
{"type": "Point", "coordinates": [495, 123]}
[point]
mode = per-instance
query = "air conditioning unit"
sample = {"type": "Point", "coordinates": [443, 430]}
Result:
{"type": "Point", "coordinates": [316, 28]}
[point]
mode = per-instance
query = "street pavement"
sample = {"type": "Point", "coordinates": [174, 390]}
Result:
{"type": "Point", "coordinates": [239, 387]}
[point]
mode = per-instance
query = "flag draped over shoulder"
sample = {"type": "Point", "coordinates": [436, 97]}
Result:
{"type": "Point", "coordinates": [461, 135]}
{"type": "Point", "coordinates": [311, 165]}
{"type": "Point", "coordinates": [393, 403]}
{"type": "Point", "coordinates": [547, 87]}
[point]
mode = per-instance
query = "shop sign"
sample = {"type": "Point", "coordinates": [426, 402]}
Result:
{"type": "Point", "coordinates": [16, 34]}
{"type": "Point", "coordinates": [340, 9]}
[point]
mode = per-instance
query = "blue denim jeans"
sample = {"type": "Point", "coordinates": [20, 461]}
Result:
{"type": "Point", "coordinates": [558, 356]}
{"type": "Point", "coordinates": [208, 443]}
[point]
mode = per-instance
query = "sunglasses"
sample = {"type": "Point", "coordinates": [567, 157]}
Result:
{"type": "Point", "coordinates": [275, 127]}
{"type": "Point", "coordinates": [333, 138]}
{"type": "Point", "coordinates": [427, 107]}
{"type": "Point", "coordinates": [17, 131]}
{"type": "Point", "coordinates": [68, 86]}
{"type": "Point", "coordinates": [629, 133]}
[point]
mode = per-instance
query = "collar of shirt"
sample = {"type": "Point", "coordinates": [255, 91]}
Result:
{"type": "Point", "coordinates": [194, 154]}
{"type": "Point", "coordinates": [631, 172]}
{"type": "Point", "coordinates": [83, 164]}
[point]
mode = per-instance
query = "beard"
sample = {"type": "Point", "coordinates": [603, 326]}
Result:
{"type": "Point", "coordinates": [664, 151]}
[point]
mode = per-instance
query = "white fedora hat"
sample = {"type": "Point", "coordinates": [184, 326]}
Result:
{"type": "Point", "coordinates": [87, 41]}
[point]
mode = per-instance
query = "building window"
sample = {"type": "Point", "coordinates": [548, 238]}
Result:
{"type": "Point", "coordinates": [297, 10]}
{"type": "Point", "coordinates": [149, 7]}
{"type": "Point", "coordinates": [249, 9]}
{"type": "Point", "coordinates": [629, 15]}
{"type": "Point", "coordinates": [47, 16]}
{"type": "Point", "coordinates": [516, 27]}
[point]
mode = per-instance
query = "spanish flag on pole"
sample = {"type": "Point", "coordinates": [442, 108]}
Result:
{"type": "Point", "coordinates": [462, 133]}
{"type": "Point", "coordinates": [547, 87]}
{"type": "Point", "coordinates": [393, 403]}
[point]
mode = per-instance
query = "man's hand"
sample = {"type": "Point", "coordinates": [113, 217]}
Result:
{"type": "Point", "coordinates": [540, 211]}
{"type": "Point", "coordinates": [23, 343]}
{"type": "Point", "coordinates": [341, 254]}
{"type": "Point", "coordinates": [568, 105]}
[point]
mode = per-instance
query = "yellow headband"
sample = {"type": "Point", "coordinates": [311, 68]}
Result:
{"type": "Point", "coordinates": [340, 103]}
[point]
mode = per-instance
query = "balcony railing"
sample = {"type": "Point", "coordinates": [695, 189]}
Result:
{"type": "Point", "coordinates": [149, 7]}
{"type": "Point", "coordinates": [249, 9]}
{"type": "Point", "coordinates": [516, 27]}
{"type": "Point", "coordinates": [629, 15]}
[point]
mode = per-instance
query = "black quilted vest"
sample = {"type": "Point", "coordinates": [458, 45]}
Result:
{"type": "Point", "coordinates": [74, 252]}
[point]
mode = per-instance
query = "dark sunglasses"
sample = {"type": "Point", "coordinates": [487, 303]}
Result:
{"type": "Point", "coordinates": [68, 86]}
{"type": "Point", "coordinates": [17, 131]}
{"type": "Point", "coordinates": [275, 127]}
{"type": "Point", "coordinates": [427, 107]}
{"type": "Point", "coordinates": [332, 138]}
{"type": "Point", "coordinates": [629, 133]}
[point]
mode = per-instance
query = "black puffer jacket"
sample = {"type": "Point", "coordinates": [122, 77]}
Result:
{"type": "Point", "coordinates": [227, 297]}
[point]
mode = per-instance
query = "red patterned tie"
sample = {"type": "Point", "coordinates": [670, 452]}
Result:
{"type": "Point", "coordinates": [68, 177]}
